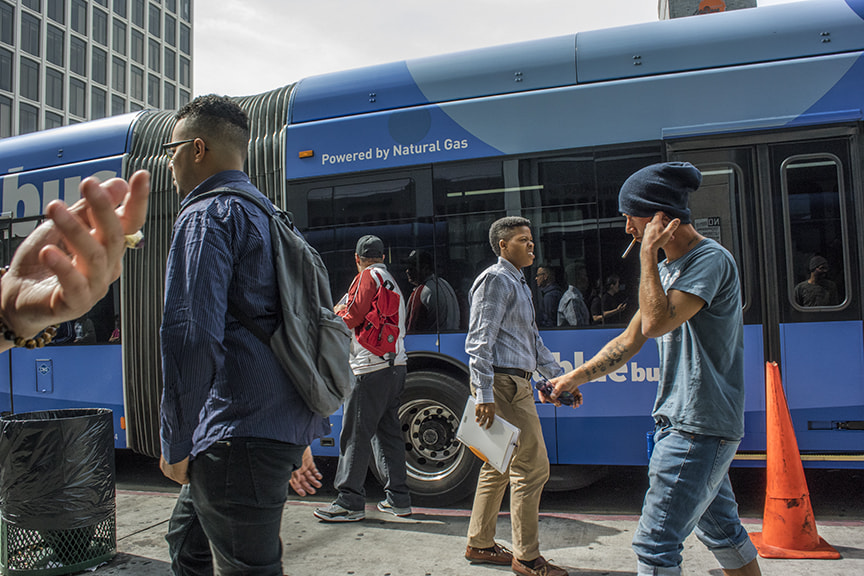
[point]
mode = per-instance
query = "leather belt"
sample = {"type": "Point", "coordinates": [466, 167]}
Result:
{"type": "Point", "coordinates": [512, 372]}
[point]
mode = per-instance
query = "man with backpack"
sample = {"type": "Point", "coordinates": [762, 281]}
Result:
{"type": "Point", "coordinates": [233, 425]}
{"type": "Point", "coordinates": [375, 310]}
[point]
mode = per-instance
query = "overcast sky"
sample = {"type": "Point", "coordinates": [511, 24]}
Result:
{"type": "Point", "coordinates": [245, 47]}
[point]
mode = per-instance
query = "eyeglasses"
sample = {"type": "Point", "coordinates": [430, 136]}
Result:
{"type": "Point", "coordinates": [169, 147]}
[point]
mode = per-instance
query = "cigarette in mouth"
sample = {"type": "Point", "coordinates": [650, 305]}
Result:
{"type": "Point", "coordinates": [630, 247]}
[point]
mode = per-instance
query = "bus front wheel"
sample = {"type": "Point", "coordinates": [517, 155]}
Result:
{"type": "Point", "coordinates": [441, 471]}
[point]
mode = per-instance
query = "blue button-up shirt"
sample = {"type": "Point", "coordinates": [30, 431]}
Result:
{"type": "Point", "coordinates": [502, 331]}
{"type": "Point", "coordinates": [220, 381]}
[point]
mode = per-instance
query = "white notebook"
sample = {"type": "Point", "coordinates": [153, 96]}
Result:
{"type": "Point", "coordinates": [494, 445]}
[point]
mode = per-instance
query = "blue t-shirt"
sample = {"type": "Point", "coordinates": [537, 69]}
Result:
{"type": "Point", "coordinates": [701, 386]}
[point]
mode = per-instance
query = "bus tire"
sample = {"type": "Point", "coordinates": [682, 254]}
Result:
{"type": "Point", "coordinates": [441, 471]}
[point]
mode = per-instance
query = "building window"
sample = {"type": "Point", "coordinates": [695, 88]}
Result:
{"type": "Point", "coordinates": [135, 107]}
{"type": "Point", "coordinates": [52, 120]}
{"type": "Point", "coordinates": [5, 117]}
{"type": "Point", "coordinates": [78, 55]}
{"type": "Point", "coordinates": [119, 39]}
{"type": "Point", "coordinates": [57, 10]}
{"type": "Point", "coordinates": [100, 27]}
{"type": "Point", "coordinates": [137, 48]}
{"type": "Point", "coordinates": [7, 24]}
{"type": "Point", "coordinates": [186, 10]}
{"type": "Point", "coordinates": [28, 118]}
{"type": "Point", "coordinates": [153, 91]}
{"type": "Point", "coordinates": [118, 105]}
{"type": "Point", "coordinates": [170, 102]}
{"type": "Point", "coordinates": [79, 16]}
{"type": "Point", "coordinates": [118, 74]}
{"type": "Point", "coordinates": [138, 13]}
{"type": "Point", "coordinates": [170, 30]}
{"type": "Point", "coordinates": [185, 39]}
{"type": "Point", "coordinates": [55, 45]}
{"type": "Point", "coordinates": [185, 72]}
{"type": "Point", "coordinates": [97, 103]}
{"type": "Point", "coordinates": [29, 81]}
{"type": "Point", "coordinates": [54, 82]}
{"type": "Point", "coordinates": [120, 7]}
{"type": "Point", "coordinates": [171, 5]}
{"type": "Point", "coordinates": [136, 85]}
{"type": "Point", "coordinates": [153, 55]}
{"type": "Point", "coordinates": [30, 26]}
{"type": "Point", "coordinates": [5, 70]}
{"type": "Point", "coordinates": [99, 72]}
{"type": "Point", "coordinates": [155, 21]}
{"type": "Point", "coordinates": [102, 2]}
{"type": "Point", "coordinates": [35, 5]}
{"type": "Point", "coordinates": [170, 64]}
{"type": "Point", "coordinates": [185, 98]}
{"type": "Point", "coordinates": [77, 98]}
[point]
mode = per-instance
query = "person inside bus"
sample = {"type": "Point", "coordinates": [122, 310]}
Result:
{"type": "Point", "coordinates": [609, 307]}
{"type": "Point", "coordinates": [504, 349]}
{"type": "Point", "coordinates": [233, 427]}
{"type": "Point", "coordinates": [691, 304]}
{"type": "Point", "coordinates": [572, 310]}
{"type": "Point", "coordinates": [550, 296]}
{"type": "Point", "coordinates": [817, 290]}
{"type": "Point", "coordinates": [67, 264]}
{"type": "Point", "coordinates": [432, 305]}
{"type": "Point", "coordinates": [85, 331]}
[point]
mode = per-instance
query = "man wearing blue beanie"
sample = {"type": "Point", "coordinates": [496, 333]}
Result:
{"type": "Point", "coordinates": [690, 303]}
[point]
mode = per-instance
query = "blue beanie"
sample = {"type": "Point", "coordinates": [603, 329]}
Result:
{"type": "Point", "coordinates": [660, 188]}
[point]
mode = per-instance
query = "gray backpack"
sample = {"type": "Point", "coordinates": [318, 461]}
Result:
{"type": "Point", "coordinates": [311, 342]}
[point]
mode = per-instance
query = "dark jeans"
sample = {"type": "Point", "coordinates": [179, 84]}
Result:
{"type": "Point", "coordinates": [226, 520]}
{"type": "Point", "coordinates": [370, 425]}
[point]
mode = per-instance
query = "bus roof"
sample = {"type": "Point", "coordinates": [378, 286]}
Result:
{"type": "Point", "coordinates": [751, 36]}
{"type": "Point", "coordinates": [67, 144]}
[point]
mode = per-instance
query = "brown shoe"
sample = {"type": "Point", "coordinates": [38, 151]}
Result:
{"type": "Point", "coordinates": [541, 568]}
{"type": "Point", "coordinates": [497, 554]}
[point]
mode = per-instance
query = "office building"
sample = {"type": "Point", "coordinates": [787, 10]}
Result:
{"type": "Point", "coordinates": [67, 61]}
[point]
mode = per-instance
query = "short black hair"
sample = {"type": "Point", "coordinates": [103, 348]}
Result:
{"type": "Point", "coordinates": [218, 117]}
{"type": "Point", "coordinates": [502, 229]}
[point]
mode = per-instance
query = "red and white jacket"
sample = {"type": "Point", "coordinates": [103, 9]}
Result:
{"type": "Point", "coordinates": [358, 302]}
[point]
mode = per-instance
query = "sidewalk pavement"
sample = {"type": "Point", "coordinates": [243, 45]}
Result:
{"type": "Point", "coordinates": [432, 542]}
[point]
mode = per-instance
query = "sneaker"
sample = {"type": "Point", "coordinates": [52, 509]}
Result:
{"type": "Point", "coordinates": [336, 513]}
{"type": "Point", "coordinates": [386, 506]}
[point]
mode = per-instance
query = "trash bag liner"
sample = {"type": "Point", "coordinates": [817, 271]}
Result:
{"type": "Point", "coordinates": [57, 468]}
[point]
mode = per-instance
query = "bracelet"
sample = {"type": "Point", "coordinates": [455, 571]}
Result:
{"type": "Point", "coordinates": [132, 241]}
{"type": "Point", "coordinates": [40, 340]}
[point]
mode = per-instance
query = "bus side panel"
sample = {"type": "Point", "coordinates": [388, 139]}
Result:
{"type": "Point", "coordinates": [722, 100]}
{"type": "Point", "coordinates": [823, 385]}
{"type": "Point", "coordinates": [61, 377]}
{"type": "Point", "coordinates": [26, 194]}
{"type": "Point", "coordinates": [754, 387]}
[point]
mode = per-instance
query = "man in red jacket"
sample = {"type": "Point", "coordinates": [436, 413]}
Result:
{"type": "Point", "coordinates": [370, 413]}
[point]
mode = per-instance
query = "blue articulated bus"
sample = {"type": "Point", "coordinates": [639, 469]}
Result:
{"type": "Point", "coordinates": [767, 102]}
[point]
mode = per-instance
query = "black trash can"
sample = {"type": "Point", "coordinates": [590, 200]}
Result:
{"type": "Point", "coordinates": [57, 505]}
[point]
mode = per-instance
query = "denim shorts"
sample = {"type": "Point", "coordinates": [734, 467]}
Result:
{"type": "Point", "coordinates": [689, 489]}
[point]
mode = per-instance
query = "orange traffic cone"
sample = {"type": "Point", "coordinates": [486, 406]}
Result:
{"type": "Point", "coordinates": [788, 526]}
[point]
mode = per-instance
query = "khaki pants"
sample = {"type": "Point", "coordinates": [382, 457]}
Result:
{"type": "Point", "coordinates": [528, 473]}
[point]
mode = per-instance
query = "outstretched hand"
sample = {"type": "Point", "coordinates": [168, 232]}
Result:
{"type": "Point", "coordinates": [66, 265]}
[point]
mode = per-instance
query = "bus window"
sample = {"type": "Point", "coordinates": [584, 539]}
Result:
{"type": "Point", "coordinates": [573, 202]}
{"type": "Point", "coordinates": [468, 198]}
{"type": "Point", "coordinates": [815, 231]}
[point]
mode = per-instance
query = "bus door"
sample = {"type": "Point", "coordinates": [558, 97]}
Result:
{"type": "Point", "coordinates": [785, 206]}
